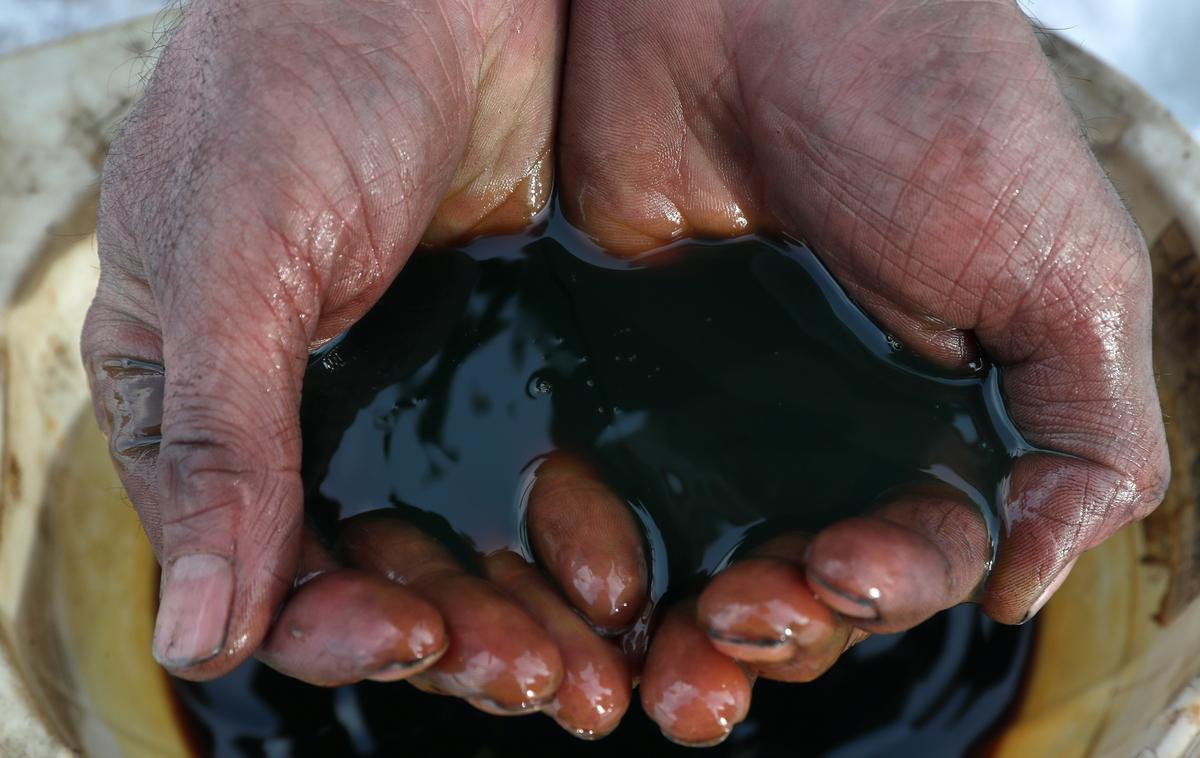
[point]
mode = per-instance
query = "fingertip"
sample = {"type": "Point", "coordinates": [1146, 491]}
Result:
{"type": "Point", "coordinates": [763, 610]}
{"type": "Point", "coordinates": [811, 662]}
{"type": "Point", "coordinates": [695, 694]}
{"type": "Point", "coordinates": [1051, 588]}
{"type": "Point", "coordinates": [877, 573]}
{"type": "Point", "coordinates": [1049, 524]}
{"type": "Point", "coordinates": [348, 625]}
{"type": "Point", "coordinates": [215, 611]}
{"type": "Point", "coordinates": [589, 542]}
{"type": "Point", "coordinates": [912, 557]}
{"type": "Point", "coordinates": [499, 658]}
{"type": "Point", "coordinates": [596, 687]}
{"type": "Point", "coordinates": [194, 611]}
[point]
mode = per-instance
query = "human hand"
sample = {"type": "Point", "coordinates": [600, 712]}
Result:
{"type": "Point", "coordinates": [285, 161]}
{"type": "Point", "coordinates": [925, 151]}
{"type": "Point", "coordinates": [633, 189]}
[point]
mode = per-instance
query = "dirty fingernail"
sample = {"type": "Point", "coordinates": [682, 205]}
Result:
{"type": "Point", "coordinates": [1051, 588]}
{"type": "Point", "coordinates": [398, 670]}
{"type": "Point", "coordinates": [845, 603]}
{"type": "Point", "coordinates": [487, 705]}
{"type": "Point", "coordinates": [394, 672]}
{"type": "Point", "coordinates": [193, 614]}
{"type": "Point", "coordinates": [770, 650]}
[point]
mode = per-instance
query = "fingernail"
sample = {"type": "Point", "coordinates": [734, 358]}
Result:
{"type": "Point", "coordinates": [698, 743]}
{"type": "Point", "coordinates": [587, 735]}
{"type": "Point", "coordinates": [395, 671]}
{"type": "Point", "coordinates": [487, 705]}
{"type": "Point", "coordinates": [758, 643]}
{"type": "Point", "coordinates": [1051, 588]}
{"type": "Point", "coordinates": [845, 603]}
{"type": "Point", "coordinates": [757, 650]}
{"type": "Point", "coordinates": [193, 614]}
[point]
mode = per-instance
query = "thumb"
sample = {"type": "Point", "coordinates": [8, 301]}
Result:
{"type": "Point", "coordinates": [264, 195]}
{"type": "Point", "coordinates": [209, 450]}
{"type": "Point", "coordinates": [228, 475]}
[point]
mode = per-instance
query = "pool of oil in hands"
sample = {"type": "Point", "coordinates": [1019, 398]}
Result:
{"type": "Point", "coordinates": [728, 391]}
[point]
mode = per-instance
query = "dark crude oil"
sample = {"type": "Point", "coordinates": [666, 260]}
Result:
{"type": "Point", "coordinates": [728, 391]}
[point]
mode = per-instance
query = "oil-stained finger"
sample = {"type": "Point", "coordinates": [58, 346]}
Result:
{"type": "Point", "coordinates": [909, 559]}
{"type": "Point", "coordinates": [589, 541]}
{"type": "Point", "coordinates": [499, 658]}
{"type": "Point", "coordinates": [693, 692]}
{"type": "Point", "coordinates": [597, 683]}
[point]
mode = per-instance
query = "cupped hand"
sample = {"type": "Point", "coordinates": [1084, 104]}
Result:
{"type": "Point", "coordinates": [925, 151]}
{"type": "Point", "coordinates": [927, 154]}
{"type": "Point", "coordinates": [286, 159]}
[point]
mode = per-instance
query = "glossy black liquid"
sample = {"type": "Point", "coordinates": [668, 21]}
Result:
{"type": "Point", "coordinates": [937, 690]}
{"type": "Point", "coordinates": [728, 391]}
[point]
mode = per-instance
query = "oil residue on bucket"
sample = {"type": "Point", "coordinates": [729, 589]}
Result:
{"type": "Point", "coordinates": [728, 391]}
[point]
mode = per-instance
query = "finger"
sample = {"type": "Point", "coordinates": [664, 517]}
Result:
{"type": "Point", "coordinates": [209, 452]}
{"type": "Point", "coordinates": [589, 541]}
{"type": "Point", "coordinates": [228, 481]}
{"type": "Point", "coordinates": [1058, 508]}
{"type": "Point", "coordinates": [507, 170]}
{"type": "Point", "coordinates": [347, 625]}
{"type": "Point", "coordinates": [341, 626]}
{"type": "Point", "coordinates": [941, 343]}
{"type": "Point", "coordinates": [315, 558]}
{"type": "Point", "coordinates": [597, 683]}
{"type": "Point", "coordinates": [762, 611]}
{"type": "Point", "coordinates": [651, 149]}
{"type": "Point", "coordinates": [694, 693]}
{"type": "Point", "coordinates": [499, 659]}
{"type": "Point", "coordinates": [901, 564]}
{"type": "Point", "coordinates": [1078, 380]}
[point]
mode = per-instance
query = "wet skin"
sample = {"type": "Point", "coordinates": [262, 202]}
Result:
{"type": "Point", "coordinates": [787, 409]}
{"type": "Point", "coordinates": [264, 195]}
{"type": "Point", "coordinates": [939, 688]}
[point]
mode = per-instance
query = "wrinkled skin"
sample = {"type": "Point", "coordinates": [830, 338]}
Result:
{"type": "Point", "coordinates": [266, 193]}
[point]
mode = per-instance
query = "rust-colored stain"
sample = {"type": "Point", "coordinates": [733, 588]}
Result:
{"type": "Point", "coordinates": [1193, 712]}
{"type": "Point", "coordinates": [12, 476]}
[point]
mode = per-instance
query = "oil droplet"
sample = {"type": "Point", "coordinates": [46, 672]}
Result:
{"type": "Point", "coordinates": [538, 385]}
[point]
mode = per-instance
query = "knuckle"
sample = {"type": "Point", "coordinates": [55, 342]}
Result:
{"type": "Point", "coordinates": [215, 487]}
{"type": "Point", "coordinates": [202, 476]}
